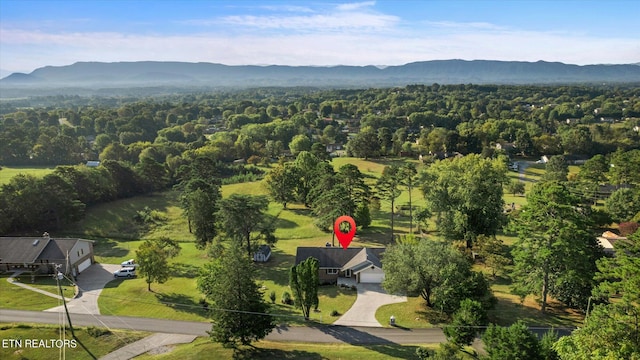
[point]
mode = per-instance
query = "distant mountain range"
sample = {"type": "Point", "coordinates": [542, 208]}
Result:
{"type": "Point", "coordinates": [144, 74]}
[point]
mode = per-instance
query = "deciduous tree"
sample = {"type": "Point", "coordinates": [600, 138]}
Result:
{"type": "Point", "coordinates": [466, 322]}
{"type": "Point", "coordinates": [153, 259]}
{"type": "Point", "coordinates": [556, 169]}
{"type": "Point", "coordinates": [466, 194]}
{"type": "Point", "coordinates": [281, 183]}
{"type": "Point", "coordinates": [436, 271]}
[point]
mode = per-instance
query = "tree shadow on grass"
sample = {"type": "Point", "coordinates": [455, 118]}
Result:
{"type": "Point", "coordinates": [184, 270]}
{"type": "Point", "coordinates": [113, 283]}
{"type": "Point", "coordinates": [277, 268]}
{"type": "Point", "coordinates": [281, 223]}
{"type": "Point", "coordinates": [183, 303]}
{"type": "Point", "coordinates": [356, 337]}
{"type": "Point", "coordinates": [304, 212]}
{"type": "Point", "coordinates": [109, 248]}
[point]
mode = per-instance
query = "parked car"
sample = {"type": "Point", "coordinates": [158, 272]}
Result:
{"type": "Point", "coordinates": [125, 272]}
{"type": "Point", "coordinates": [129, 263]}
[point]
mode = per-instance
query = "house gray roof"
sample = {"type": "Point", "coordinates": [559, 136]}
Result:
{"type": "Point", "coordinates": [28, 250]}
{"type": "Point", "coordinates": [337, 257]}
{"type": "Point", "coordinates": [57, 249]}
{"type": "Point", "coordinates": [362, 260]}
{"type": "Point", "coordinates": [21, 250]}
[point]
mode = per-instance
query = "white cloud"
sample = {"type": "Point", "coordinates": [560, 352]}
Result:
{"type": "Point", "coordinates": [355, 6]}
{"type": "Point", "coordinates": [314, 22]}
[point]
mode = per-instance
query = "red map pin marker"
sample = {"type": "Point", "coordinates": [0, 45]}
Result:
{"type": "Point", "coordinates": [344, 238]}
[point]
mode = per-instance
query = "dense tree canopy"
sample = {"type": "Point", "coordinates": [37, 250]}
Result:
{"type": "Point", "coordinates": [466, 195]}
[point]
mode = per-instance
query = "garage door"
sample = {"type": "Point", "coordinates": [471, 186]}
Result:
{"type": "Point", "coordinates": [371, 278]}
{"type": "Point", "coordinates": [84, 265]}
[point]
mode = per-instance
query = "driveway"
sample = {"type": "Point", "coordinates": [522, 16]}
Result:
{"type": "Point", "coordinates": [363, 312]}
{"type": "Point", "coordinates": [90, 283]}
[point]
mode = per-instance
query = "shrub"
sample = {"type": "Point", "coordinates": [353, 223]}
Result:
{"type": "Point", "coordinates": [204, 303]}
{"type": "Point", "coordinates": [423, 353]}
{"type": "Point", "coordinates": [147, 216]}
{"type": "Point", "coordinates": [335, 313]}
{"type": "Point", "coordinates": [286, 298]}
{"type": "Point", "coordinates": [272, 296]}
{"type": "Point", "coordinates": [628, 228]}
{"type": "Point", "coordinates": [96, 332]}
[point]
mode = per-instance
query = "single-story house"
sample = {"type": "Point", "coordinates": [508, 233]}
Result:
{"type": "Point", "coordinates": [41, 254]}
{"type": "Point", "coordinates": [608, 240]}
{"type": "Point", "coordinates": [92, 163]}
{"type": "Point", "coordinates": [262, 254]}
{"type": "Point", "coordinates": [506, 146]}
{"type": "Point", "coordinates": [363, 264]}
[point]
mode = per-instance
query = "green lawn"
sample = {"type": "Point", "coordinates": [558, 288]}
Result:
{"type": "Point", "coordinates": [203, 348]}
{"type": "Point", "coordinates": [15, 297]}
{"type": "Point", "coordinates": [412, 314]}
{"type": "Point", "coordinates": [8, 172]}
{"type": "Point", "coordinates": [99, 346]}
{"type": "Point", "coordinates": [48, 283]}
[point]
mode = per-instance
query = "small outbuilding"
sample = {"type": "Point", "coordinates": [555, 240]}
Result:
{"type": "Point", "coordinates": [262, 254]}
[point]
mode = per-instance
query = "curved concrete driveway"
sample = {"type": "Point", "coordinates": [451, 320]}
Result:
{"type": "Point", "coordinates": [90, 283]}
{"type": "Point", "coordinates": [363, 312]}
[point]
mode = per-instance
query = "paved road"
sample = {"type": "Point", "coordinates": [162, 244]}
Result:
{"type": "Point", "coordinates": [363, 312]}
{"type": "Point", "coordinates": [313, 333]}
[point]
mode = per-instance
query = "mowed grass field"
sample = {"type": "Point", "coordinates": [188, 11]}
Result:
{"type": "Point", "coordinates": [8, 172]}
{"type": "Point", "coordinates": [118, 236]}
{"type": "Point", "coordinates": [203, 348]}
{"type": "Point", "coordinates": [99, 345]}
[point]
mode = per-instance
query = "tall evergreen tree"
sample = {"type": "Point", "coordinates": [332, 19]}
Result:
{"type": "Point", "coordinates": [555, 253]}
{"type": "Point", "coordinates": [242, 214]}
{"type": "Point", "coordinates": [303, 280]}
{"type": "Point", "coordinates": [388, 187]}
{"type": "Point", "coordinates": [239, 312]}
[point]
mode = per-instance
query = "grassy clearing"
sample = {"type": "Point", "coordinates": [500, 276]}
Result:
{"type": "Point", "coordinates": [510, 308]}
{"type": "Point", "coordinates": [8, 172]}
{"type": "Point", "coordinates": [412, 314]}
{"type": "Point", "coordinates": [116, 219]}
{"type": "Point", "coordinates": [203, 348]}
{"type": "Point", "coordinates": [99, 346]}
{"type": "Point", "coordinates": [48, 283]}
{"type": "Point", "coordinates": [15, 297]}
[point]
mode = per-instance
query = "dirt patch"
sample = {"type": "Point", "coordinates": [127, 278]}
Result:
{"type": "Point", "coordinates": [161, 350]}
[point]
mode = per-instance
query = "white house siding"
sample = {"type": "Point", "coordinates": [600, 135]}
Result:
{"type": "Point", "coordinates": [79, 253]}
